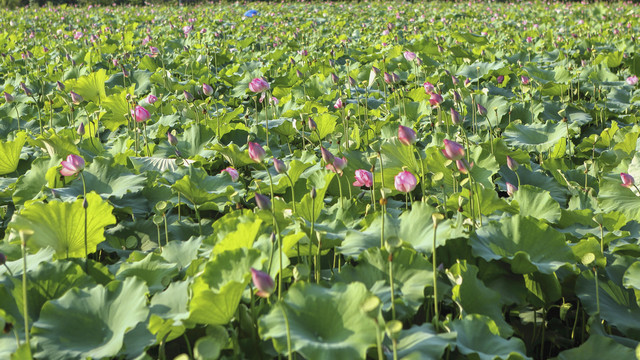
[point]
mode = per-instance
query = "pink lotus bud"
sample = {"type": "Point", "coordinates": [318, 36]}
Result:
{"type": "Point", "coordinates": [76, 98]}
{"type": "Point", "coordinates": [481, 110]}
{"type": "Point", "coordinates": [363, 178]}
{"type": "Point", "coordinates": [140, 114]}
{"type": "Point", "coordinates": [388, 78]}
{"type": "Point", "coordinates": [172, 139]}
{"type": "Point", "coordinates": [256, 152]}
{"type": "Point", "coordinates": [456, 97]}
{"type": "Point", "coordinates": [352, 81]}
{"type": "Point", "coordinates": [435, 99]}
{"type": "Point", "coordinates": [338, 165]}
{"type": "Point", "coordinates": [312, 124]}
{"type": "Point", "coordinates": [327, 156]}
{"type": "Point", "coordinates": [375, 70]}
{"type": "Point", "coordinates": [454, 80]}
{"type": "Point", "coordinates": [187, 95]}
{"type": "Point", "coordinates": [60, 86]}
{"type": "Point", "coordinates": [627, 180]}
{"type": "Point", "coordinates": [26, 90]}
{"type": "Point", "coordinates": [299, 74]}
{"type": "Point", "coordinates": [428, 87]}
{"type": "Point", "coordinates": [280, 166]}
{"type": "Point", "coordinates": [263, 282]}
{"type": "Point", "coordinates": [511, 189]}
{"type": "Point", "coordinates": [207, 90]}
{"type": "Point", "coordinates": [452, 150]}
{"type": "Point", "coordinates": [72, 166]}
{"type": "Point", "coordinates": [524, 79]}
{"type": "Point", "coordinates": [80, 130]}
{"type": "Point", "coordinates": [8, 97]}
{"type": "Point", "coordinates": [500, 79]}
{"type": "Point", "coordinates": [338, 104]}
{"type": "Point", "coordinates": [395, 77]}
{"type": "Point", "coordinates": [463, 166]}
{"type": "Point", "coordinates": [512, 164]}
{"type": "Point", "coordinates": [410, 56]}
{"type": "Point", "coordinates": [258, 85]}
{"type": "Point", "coordinates": [406, 135]}
{"type": "Point", "coordinates": [263, 202]}
{"type": "Point", "coordinates": [632, 80]}
{"type": "Point", "coordinates": [151, 99]}
{"type": "Point", "coordinates": [456, 118]}
{"type": "Point", "coordinates": [232, 172]}
{"type": "Point", "coordinates": [335, 78]}
{"type": "Point", "coordinates": [405, 182]}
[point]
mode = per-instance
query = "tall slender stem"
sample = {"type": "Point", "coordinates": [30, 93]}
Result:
{"type": "Point", "coordinates": [25, 307]}
{"type": "Point", "coordinates": [85, 206]}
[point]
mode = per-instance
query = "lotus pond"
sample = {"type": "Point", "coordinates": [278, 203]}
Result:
{"type": "Point", "coordinates": [320, 181]}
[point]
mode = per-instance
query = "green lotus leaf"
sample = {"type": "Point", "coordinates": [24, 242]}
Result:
{"type": "Point", "coordinates": [117, 110]}
{"type": "Point", "coordinates": [105, 177]}
{"type": "Point", "coordinates": [423, 342]}
{"type": "Point", "coordinates": [60, 225]}
{"type": "Point", "coordinates": [182, 253]}
{"type": "Point", "coordinates": [477, 337]}
{"type": "Point", "coordinates": [535, 137]}
{"type": "Point", "coordinates": [526, 243]}
{"type": "Point", "coordinates": [194, 143]}
{"type": "Point", "coordinates": [598, 347]}
{"type": "Point", "coordinates": [152, 269]}
{"type": "Point", "coordinates": [474, 297]}
{"type": "Point", "coordinates": [169, 311]}
{"type": "Point", "coordinates": [323, 323]}
{"type": "Point", "coordinates": [202, 190]}
{"type": "Point", "coordinates": [218, 290]}
{"type": "Point", "coordinates": [10, 153]}
{"type": "Point", "coordinates": [617, 305]}
{"type": "Point", "coordinates": [90, 323]}
{"type": "Point", "coordinates": [537, 203]}
{"type": "Point", "coordinates": [479, 70]}
{"type": "Point", "coordinates": [233, 154]}
{"type": "Point", "coordinates": [91, 87]}
{"type": "Point", "coordinates": [615, 197]}
{"type": "Point", "coordinates": [144, 164]}
{"type": "Point", "coordinates": [411, 275]}
{"type": "Point", "coordinates": [35, 179]}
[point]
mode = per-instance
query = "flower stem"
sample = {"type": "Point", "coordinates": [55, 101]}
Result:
{"type": "Point", "coordinates": [293, 193]}
{"type": "Point", "coordinates": [86, 246]}
{"type": "Point", "coordinates": [392, 290]}
{"type": "Point", "coordinates": [435, 273]}
{"type": "Point", "coordinates": [25, 307]}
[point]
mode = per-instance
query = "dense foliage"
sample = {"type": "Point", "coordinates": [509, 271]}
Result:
{"type": "Point", "coordinates": [373, 180]}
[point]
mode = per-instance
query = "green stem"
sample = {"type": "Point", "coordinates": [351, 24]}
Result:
{"type": "Point", "coordinates": [286, 324]}
{"type": "Point", "coordinates": [15, 107]}
{"type": "Point", "coordinates": [293, 193]}
{"type": "Point", "coordinates": [84, 196]}
{"type": "Point", "coordinates": [435, 273]}
{"type": "Point", "coordinates": [422, 178]}
{"type": "Point", "coordinates": [25, 307]}
{"type": "Point", "coordinates": [393, 304]}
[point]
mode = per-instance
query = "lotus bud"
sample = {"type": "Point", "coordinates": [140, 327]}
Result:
{"type": "Point", "coordinates": [207, 89]}
{"type": "Point", "coordinates": [280, 166]}
{"type": "Point", "coordinates": [327, 156]}
{"type": "Point", "coordinates": [512, 164]}
{"type": "Point", "coordinates": [263, 202]}
{"type": "Point", "coordinates": [172, 139]}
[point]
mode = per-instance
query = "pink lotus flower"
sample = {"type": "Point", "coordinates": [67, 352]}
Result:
{"type": "Point", "coordinates": [338, 165]}
{"type": "Point", "coordinates": [256, 152]}
{"type": "Point", "coordinates": [405, 181]}
{"type": "Point", "coordinates": [258, 85]}
{"type": "Point", "coordinates": [151, 99]}
{"type": "Point", "coordinates": [154, 51]}
{"type": "Point", "coordinates": [72, 166]}
{"type": "Point", "coordinates": [410, 56]}
{"type": "Point", "coordinates": [406, 135]}
{"type": "Point", "coordinates": [140, 114]}
{"type": "Point", "coordinates": [338, 104]}
{"type": "Point", "coordinates": [632, 80]}
{"type": "Point", "coordinates": [452, 150]}
{"type": "Point", "coordinates": [232, 172]}
{"type": "Point", "coordinates": [263, 282]}
{"type": "Point", "coordinates": [363, 178]}
{"type": "Point", "coordinates": [627, 180]}
{"type": "Point", "coordinates": [511, 189]}
{"type": "Point", "coordinates": [207, 89]}
{"type": "Point", "coordinates": [78, 35]}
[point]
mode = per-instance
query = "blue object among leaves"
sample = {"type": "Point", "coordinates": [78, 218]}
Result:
{"type": "Point", "coordinates": [251, 13]}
